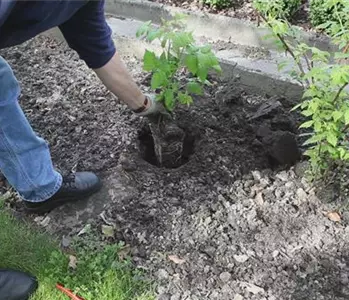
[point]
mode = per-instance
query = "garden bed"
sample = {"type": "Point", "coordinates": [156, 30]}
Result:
{"type": "Point", "coordinates": [242, 10]}
{"type": "Point", "coordinates": [234, 221]}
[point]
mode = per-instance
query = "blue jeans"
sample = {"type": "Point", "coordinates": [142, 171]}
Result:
{"type": "Point", "coordinates": [25, 159]}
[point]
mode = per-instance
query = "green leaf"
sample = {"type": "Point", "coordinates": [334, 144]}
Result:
{"type": "Point", "coordinates": [282, 65]}
{"type": "Point", "coordinates": [202, 74]}
{"type": "Point", "coordinates": [207, 60]}
{"type": "Point", "coordinates": [317, 126]}
{"type": "Point", "coordinates": [185, 99]}
{"type": "Point", "coordinates": [342, 153]}
{"type": "Point", "coordinates": [169, 99]}
{"type": "Point", "coordinates": [337, 115]}
{"type": "Point", "coordinates": [194, 88]}
{"type": "Point", "coordinates": [149, 61]}
{"type": "Point", "coordinates": [158, 79]}
{"type": "Point", "coordinates": [191, 62]}
{"type": "Point", "coordinates": [314, 105]}
{"type": "Point", "coordinates": [206, 49]}
{"type": "Point", "coordinates": [152, 35]}
{"type": "Point", "coordinates": [307, 113]}
{"type": "Point", "coordinates": [143, 29]}
{"type": "Point", "coordinates": [341, 55]}
{"type": "Point", "coordinates": [217, 68]}
{"type": "Point", "coordinates": [182, 39]}
{"type": "Point", "coordinates": [313, 140]}
{"type": "Point", "coordinates": [307, 124]}
{"type": "Point", "coordinates": [331, 138]}
{"type": "Point", "coordinates": [163, 42]}
{"type": "Point", "coordinates": [346, 117]}
{"type": "Point", "coordinates": [296, 107]}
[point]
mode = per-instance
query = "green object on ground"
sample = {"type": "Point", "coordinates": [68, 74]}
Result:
{"type": "Point", "coordinates": [98, 275]}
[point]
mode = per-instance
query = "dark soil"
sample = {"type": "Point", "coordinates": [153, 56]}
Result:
{"type": "Point", "coordinates": [87, 128]}
{"type": "Point", "coordinates": [240, 222]}
{"type": "Point", "coordinates": [84, 124]}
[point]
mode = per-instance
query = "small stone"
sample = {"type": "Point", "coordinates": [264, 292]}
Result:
{"type": "Point", "coordinates": [241, 258]}
{"type": "Point", "coordinates": [302, 195]}
{"type": "Point", "coordinates": [279, 193]}
{"type": "Point", "coordinates": [301, 168]}
{"type": "Point", "coordinates": [221, 198]}
{"type": "Point", "coordinates": [86, 229]}
{"type": "Point", "coordinates": [45, 221]}
{"type": "Point", "coordinates": [38, 220]}
{"type": "Point", "coordinates": [208, 221]}
{"type": "Point", "coordinates": [276, 253]}
{"type": "Point", "coordinates": [290, 185]}
{"type": "Point", "coordinates": [259, 199]}
{"type": "Point", "coordinates": [252, 288]}
{"type": "Point", "coordinates": [225, 276]}
{"type": "Point", "coordinates": [66, 241]}
{"type": "Point", "coordinates": [282, 176]}
{"type": "Point", "coordinates": [176, 296]}
{"type": "Point", "coordinates": [162, 275]}
{"type": "Point", "coordinates": [257, 175]}
{"type": "Point", "coordinates": [345, 216]}
{"type": "Point", "coordinates": [264, 183]}
{"type": "Point", "coordinates": [238, 297]}
{"type": "Point", "coordinates": [108, 231]}
{"type": "Point", "coordinates": [165, 296]}
{"type": "Point", "coordinates": [207, 269]}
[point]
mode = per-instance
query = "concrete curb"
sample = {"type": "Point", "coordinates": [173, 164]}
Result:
{"type": "Point", "coordinates": [214, 27]}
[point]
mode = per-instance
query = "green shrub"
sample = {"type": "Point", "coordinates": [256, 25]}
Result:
{"type": "Point", "coordinates": [221, 4]}
{"type": "Point", "coordinates": [278, 8]}
{"type": "Point", "coordinates": [325, 79]}
{"type": "Point", "coordinates": [332, 16]}
{"type": "Point", "coordinates": [322, 11]}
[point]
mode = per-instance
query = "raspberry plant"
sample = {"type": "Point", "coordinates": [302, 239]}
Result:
{"type": "Point", "coordinates": [325, 104]}
{"type": "Point", "coordinates": [179, 54]}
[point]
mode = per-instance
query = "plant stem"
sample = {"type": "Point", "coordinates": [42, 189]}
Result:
{"type": "Point", "coordinates": [340, 91]}
{"type": "Point", "coordinates": [287, 48]}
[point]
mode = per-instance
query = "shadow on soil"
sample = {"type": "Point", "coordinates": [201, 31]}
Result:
{"type": "Point", "coordinates": [327, 277]}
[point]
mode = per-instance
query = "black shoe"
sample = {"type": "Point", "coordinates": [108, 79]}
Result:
{"type": "Point", "coordinates": [74, 187]}
{"type": "Point", "coordinates": [15, 285]}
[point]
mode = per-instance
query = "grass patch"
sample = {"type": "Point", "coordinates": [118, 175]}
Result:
{"type": "Point", "coordinates": [99, 273]}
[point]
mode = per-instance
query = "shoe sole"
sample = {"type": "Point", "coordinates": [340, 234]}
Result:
{"type": "Point", "coordinates": [51, 206]}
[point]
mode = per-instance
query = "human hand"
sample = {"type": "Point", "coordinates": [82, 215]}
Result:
{"type": "Point", "coordinates": [155, 109]}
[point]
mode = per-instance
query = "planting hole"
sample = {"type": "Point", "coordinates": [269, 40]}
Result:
{"type": "Point", "coordinates": [147, 149]}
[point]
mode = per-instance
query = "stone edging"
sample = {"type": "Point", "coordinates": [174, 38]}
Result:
{"type": "Point", "coordinates": [215, 27]}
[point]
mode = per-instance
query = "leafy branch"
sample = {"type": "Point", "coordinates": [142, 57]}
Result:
{"type": "Point", "coordinates": [179, 54]}
{"type": "Point", "coordinates": [325, 104]}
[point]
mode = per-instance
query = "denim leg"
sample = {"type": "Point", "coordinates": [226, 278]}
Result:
{"type": "Point", "coordinates": [25, 159]}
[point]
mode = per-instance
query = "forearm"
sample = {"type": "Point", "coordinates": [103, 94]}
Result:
{"type": "Point", "coordinates": [118, 80]}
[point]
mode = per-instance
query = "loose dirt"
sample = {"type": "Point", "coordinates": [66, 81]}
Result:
{"type": "Point", "coordinates": [234, 221]}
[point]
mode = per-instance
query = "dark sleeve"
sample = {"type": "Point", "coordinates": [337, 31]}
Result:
{"type": "Point", "coordinates": [5, 9]}
{"type": "Point", "coordinates": [88, 33]}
